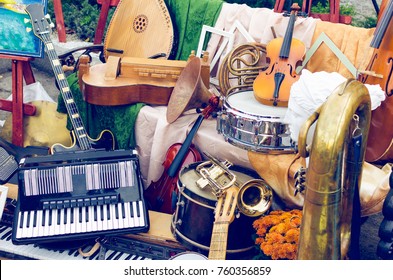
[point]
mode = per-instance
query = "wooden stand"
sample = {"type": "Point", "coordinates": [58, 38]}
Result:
{"type": "Point", "coordinates": [21, 68]}
{"type": "Point", "coordinates": [105, 5]}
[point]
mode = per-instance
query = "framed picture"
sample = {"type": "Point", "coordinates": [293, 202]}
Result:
{"type": "Point", "coordinates": [16, 35]}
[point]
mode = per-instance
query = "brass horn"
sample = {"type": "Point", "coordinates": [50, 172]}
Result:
{"type": "Point", "coordinates": [189, 92]}
{"type": "Point", "coordinates": [331, 202]}
{"type": "Point", "coordinates": [255, 198]}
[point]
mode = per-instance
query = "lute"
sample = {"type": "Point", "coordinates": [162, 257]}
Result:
{"type": "Point", "coordinates": [80, 138]}
{"type": "Point", "coordinates": [224, 215]}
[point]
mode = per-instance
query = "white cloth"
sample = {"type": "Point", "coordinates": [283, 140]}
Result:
{"type": "Point", "coordinates": [310, 91]}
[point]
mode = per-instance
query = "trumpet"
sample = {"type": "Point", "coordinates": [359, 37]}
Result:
{"type": "Point", "coordinates": [255, 196]}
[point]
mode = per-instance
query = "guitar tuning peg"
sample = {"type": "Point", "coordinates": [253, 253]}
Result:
{"type": "Point", "coordinates": [26, 20]}
{"type": "Point", "coordinates": [28, 29]}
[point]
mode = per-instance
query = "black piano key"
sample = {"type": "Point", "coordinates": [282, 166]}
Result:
{"type": "Point", "coordinates": [58, 217]}
{"type": "Point", "coordinates": [35, 219]}
{"type": "Point", "coordinates": [111, 256]}
{"type": "Point", "coordinates": [95, 214]}
{"type": "Point", "coordinates": [22, 214]}
{"type": "Point", "coordinates": [6, 235]}
{"type": "Point", "coordinates": [131, 210]}
{"type": "Point", "coordinates": [94, 255]}
{"type": "Point", "coordinates": [102, 212]}
{"type": "Point", "coordinates": [118, 256]}
{"type": "Point", "coordinates": [28, 219]}
{"type": "Point", "coordinates": [116, 211]}
{"type": "Point", "coordinates": [138, 210]}
{"type": "Point", "coordinates": [72, 216]}
{"type": "Point", "coordinates": [87, 214]}
{"type": "Point", "coordinates": [108, 212]}
{"type": "Point", "coordinates": [80, 214]}
{"type": "Point", "coordinates": [44, 217]}
{"type": "Point", "coordinates": [50, 217]}
{"type": "Point", "coordinates": [65, 215]}
{"type": "Point", "coordinates": [3, 228]}
{"type": "Point", "coordinates": [123, 211]}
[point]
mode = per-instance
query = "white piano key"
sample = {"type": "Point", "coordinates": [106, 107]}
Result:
{"type": "Point", "coordinates": [126, 219]}
{"type": "Point", "coordinates": [29, 224]}
{"type": "Point", "coordinates": [74, 223]}
{"type": "Point", "coordinates": [39, 229]}
{"type": "Point", "coordinates": [99, 221]}
{"type": "Point", "coordinates": [19, 231]}
{"type": "Point", "coordinates": [131, 221]}
{"type": "Point", "coordinates": [136, 218]}
{"type": "Point", "coordinates": [142, 216]}
{"type": "Point", "coordinates": [84, 224]}
{"type": "Point", "coordinates": [115, 222]}
{"type": "Point", "coordinates": [105, 222]}
{"type": "Point", "coordinates": [91, 225]}
{"type": "Point", "coordinates": [53, 217]}
{"type": "Point", "coordinates": [62, 223]}
{"type": "Point", "coordinates": [78, 220]}
{"type": "Point", "coordinates": [46, 222]}
{"type": "Point", "coordinates": [67, 226]}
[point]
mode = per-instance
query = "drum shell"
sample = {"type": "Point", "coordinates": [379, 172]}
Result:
{"type": "Point", "coordinates": [247, 124]}
{"type": "Point", "coordinates": [196, 215]}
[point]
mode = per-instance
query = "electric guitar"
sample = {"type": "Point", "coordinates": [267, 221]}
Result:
{"type": "Point", "coordinates": [80, 139]}
{"type": "Point", "coordinates": [224, 215]}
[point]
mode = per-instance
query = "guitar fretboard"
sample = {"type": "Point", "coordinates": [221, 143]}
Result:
{"type": "Point", "coordinates": [72, 110]}
{"type": "Point", "coordinates": [218, 244]}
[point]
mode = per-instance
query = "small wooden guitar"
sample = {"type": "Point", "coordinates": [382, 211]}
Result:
{"type": "Point", "coordinates": [80, 139]}
{"type": "Point", "coordinates": [224, 215]}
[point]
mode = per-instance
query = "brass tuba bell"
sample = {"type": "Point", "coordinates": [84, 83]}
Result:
{"type": "Point", "coordinates": [331, 202]}
{"type": "Point", "coordinates": [189, 92]}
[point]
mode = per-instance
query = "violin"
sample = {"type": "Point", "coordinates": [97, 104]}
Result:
{"type": "Point", "coordinates": [272, 86]}
{"type": "Point", "coordinates": [160, 194]}
{"type": "Point", "coordinates": [379, 71]}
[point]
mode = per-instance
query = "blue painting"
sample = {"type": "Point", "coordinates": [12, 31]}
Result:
{"type": "Point", "coordinates": [16, 36]}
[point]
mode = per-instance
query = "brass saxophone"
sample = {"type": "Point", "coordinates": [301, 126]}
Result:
{"type": "Point", "coordinates": [334, 173]}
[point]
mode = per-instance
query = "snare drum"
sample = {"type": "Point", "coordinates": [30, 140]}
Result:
{"type": "Point", "coordinates": [192, 222]}
{"type": "Point", "coordinates": [246, 123]}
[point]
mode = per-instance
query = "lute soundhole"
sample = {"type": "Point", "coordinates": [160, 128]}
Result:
{"type": "Point", "coordinates": [140, 23]}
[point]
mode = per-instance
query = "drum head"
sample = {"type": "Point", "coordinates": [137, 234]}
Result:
{"type": "Point", "coordinates": [189, 256]}
{"type": "Point", "coordinates": [245, 102]}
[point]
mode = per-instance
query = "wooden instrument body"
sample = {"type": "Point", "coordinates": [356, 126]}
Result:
{"type": "Point", "coordinates": [265, 84]}
{"type": "Point", "coordinates": [132, 79]}
{"type": "Point", "coordinates": [159, 194]}
{"type": "Point", "coordinates": [139, 28]}
{"type": "Point", "coordinates": [380, 138]}
{"type": "Point", "coordinates": [272, 86]}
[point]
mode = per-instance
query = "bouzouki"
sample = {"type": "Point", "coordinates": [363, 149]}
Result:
{"type": "Point", "coordinates": [139, 28]}
{"type": "Point", "coordinates": [224, 215]}
{"type": "Point", "coordinates": [80, 139]}
{"type": "Point", "coordinates": [272, 86]}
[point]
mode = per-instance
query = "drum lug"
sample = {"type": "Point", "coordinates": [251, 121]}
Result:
{"type": "Point", "coordinates": [178, 222]}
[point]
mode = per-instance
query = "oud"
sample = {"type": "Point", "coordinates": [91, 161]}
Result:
{"type": "Point", "coordinates": [272, 86]}
{"type": "Point", "coordinates": [80, 138]}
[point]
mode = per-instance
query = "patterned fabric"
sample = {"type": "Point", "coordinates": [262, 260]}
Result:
{"type": "Point", "coordinates": [118, 119]}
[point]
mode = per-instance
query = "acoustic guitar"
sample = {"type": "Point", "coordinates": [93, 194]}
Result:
{"type": "Point", "coordinates": [80, 139]}
{"type": "Point", "coordinates": [224, 215]}
{"type": "Point", "coordinates": [139, 28]}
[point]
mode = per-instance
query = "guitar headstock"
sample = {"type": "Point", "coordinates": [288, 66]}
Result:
{"type": "Point", "coordinates": [226, 205]}
{"type": "Point", "coordinates": [41, 23]}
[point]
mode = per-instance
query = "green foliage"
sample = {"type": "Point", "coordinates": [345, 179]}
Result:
{"type": "Point", "coordinates": [81, 17]}
{"type": "Point", "coordinates": [345, 9]}
{"type": "Point", "coordinates": [255, 3]}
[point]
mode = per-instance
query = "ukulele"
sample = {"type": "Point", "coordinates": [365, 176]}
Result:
{"type": "Point", "coordinates": [272, 86]}
{"type": "Point", "coordinates": [380, 137]}
{"type": "Point", "coordinates": [80, 139]}
{"type": "Point", "coordinates": [223, 216]}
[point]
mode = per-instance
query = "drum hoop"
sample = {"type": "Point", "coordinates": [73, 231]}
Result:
{"type": "Point", "coordinates": [193, 200]}
{"type": "Point", "coordinates": [247, 115]}
{"type": "Point", "coordinates": [200, 246]}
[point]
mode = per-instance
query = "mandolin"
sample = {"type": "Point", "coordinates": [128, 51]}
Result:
{"type": "Point", "coordinates": [80, 139]}
{"type": "Point", "coordinates": [139, 28]}
{"type": "Point", "coordinates": [224, 215]}
{"type": "Point", "coordinates": [272, 86]}
{"type": "Point", "coordinates": [380, 137]}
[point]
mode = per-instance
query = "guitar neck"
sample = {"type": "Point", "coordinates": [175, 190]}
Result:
{"type": "Point", "coordinates": [219, 240]}
{"type": "Point", "coordinates": [72, 110]}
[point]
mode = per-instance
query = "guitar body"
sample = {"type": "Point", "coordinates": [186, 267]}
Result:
{"type": "Point", "coordinates": [79, 135]}
{"type": "Point", "coordinates": [139, 28]}
{"type": "Point", "coordinates": [106, 140]}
